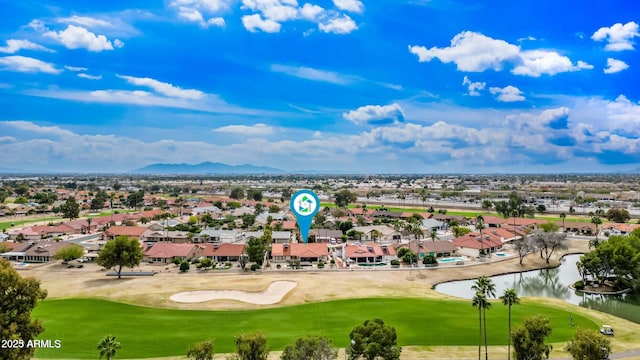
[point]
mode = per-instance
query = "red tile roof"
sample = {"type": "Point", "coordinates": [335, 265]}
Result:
{"type": "Point", "coordinates": [472, 241]}
{"type": "Point", "coordinates": [368, 250]}
{"type": "Point", "coordinates": [170, 250]}
{"type": "Point", "coordinates": [300, 250]}
{"type": "Point", "coordinates": [224, 249]}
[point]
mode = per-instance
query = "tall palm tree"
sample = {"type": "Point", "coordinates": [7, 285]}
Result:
{"type": "Point", "coordinates": [509, 298]}
{"type": "Point", "coordinates": [486, 286]}
{"type": "Point", "coordinates": [479, 301]}
{"type": "Point", "coordinates": [108, 346]}
{"type": "Point", "coordinates": [480, 226]}
{"type": "Point", "coordinates": [597, 222]}
{"type": "Point", "coordinates": [563, 216]}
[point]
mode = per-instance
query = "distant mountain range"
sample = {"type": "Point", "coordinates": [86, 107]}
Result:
{"type": "Point", "coordinates": [206, 168]}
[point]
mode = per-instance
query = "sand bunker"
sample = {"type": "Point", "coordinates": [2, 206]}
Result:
{"type": "Point", "coordinates": [271, 295]}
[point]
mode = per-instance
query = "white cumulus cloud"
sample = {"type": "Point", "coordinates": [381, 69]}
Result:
{"type": "Point", "coordinates": [255, 22]}
{"type": "Point", "coordinates": [259, 129]}
{"type": "Point", "coordinates": [85, 21]}
{"type": "Point", "coordinates": [619, 37]}
{"type": "Point", "coordinates": [164, 88]}
{"type": "Point", "coordinates": [27, 64]}
{"type": "Point", "coordinates": [203, 12]}
{"type": "Point", "coordinates": [473, 87]}
{"type": "Point", "coordinates": [538, 62]}
{"type": "Point", "coordinates": [375, 114]}
{"type": "Point", "coordinates": [507, 94]}
{"type": "Point", "coordinates": [338, 25]}
{"type": "Point", "coordinates": [15, 45]}
{"type": "Point", "coordinates": [349, 5]}
{"type": "Point", "coordinates": [614, 66]}
{"type": "Point", "coordinates": [470, 51]}
{"type": "Point", "coordinates": [77, 37]}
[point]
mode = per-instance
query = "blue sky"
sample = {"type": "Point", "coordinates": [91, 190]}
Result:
{"type": "Point", "coordinates": [385, 86]}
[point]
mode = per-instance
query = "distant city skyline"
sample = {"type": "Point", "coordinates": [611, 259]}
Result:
{"type": "Point", "coordinates": [414, 86]}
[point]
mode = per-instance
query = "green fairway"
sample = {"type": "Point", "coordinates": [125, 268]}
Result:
{"type": "Point", "coordinates": [149, 332]}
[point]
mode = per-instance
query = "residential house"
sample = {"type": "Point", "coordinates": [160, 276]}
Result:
{"type": "Point", "coordinates": [325, 236]}
{"type": "Point", "coordinates": [276, 236]}
{"type": "Point", "coordinates": [369, 253]}
{"type": "Point", "coordinates": [379, 233]}
{"type": "Point", "coordinates": [130, 231]}
{"type": "Point", "coordinates": [305, 254]}
{"type": "Point", "coordinates": [165, 253]}
{"type": "Point", "coordinates": [438, 248]}
{"type": "Point", "coordinates": [178, 237]}
{"type": "Point", "coordinates": [219, 236]}
{"type": "Point", "coordinates": [472, 244]}
{"type": "Point", "coordinates": [35, 252]}
{"type": "Point", "coordinates": [432, 224]}
{"type": "Point", "coordinates": [224, 252]}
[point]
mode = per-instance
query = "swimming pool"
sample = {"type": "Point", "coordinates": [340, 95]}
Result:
{"type": "Point", "coordinates": [501, 254]}
{"type": "Point", "coordinates": [451, 259]}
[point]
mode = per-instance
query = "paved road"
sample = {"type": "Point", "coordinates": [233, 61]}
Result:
{"type": "Point", "coordinates": [620, 355]}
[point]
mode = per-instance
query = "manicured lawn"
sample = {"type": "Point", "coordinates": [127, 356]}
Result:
{"type": "Point", "coordinates": [149, 332]}
{"type": "Point", "coordinates": [16, 222]}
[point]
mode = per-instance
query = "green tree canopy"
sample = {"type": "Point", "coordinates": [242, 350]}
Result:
{"type": "Point", "coordinates": [374, 340]}
{"type": "Point", "coordinates": [528, 340]}
{"type": "Point", "coordinates": [70, 209]}
{"type": "Point", "coordinates": [251, 347]}
{"type": "Point", "coordinates": [255, 249]}
{"type": "Point", "coordinates": [201, 351]}
{"type": "Point", "coordinates": [618, 215]}
{"type": "Point", "coordinates": [237, 193]}
{"type": "Point", "coordinates": [18, 297]}
{"type": "Point", "coordinates": [344, 197]}
{"type": "Point", "coordinates": [69, 253]}
{"type": "Point", "coordinates": [120, 252]}
{"type": "Point", "coordinates": [588, 344]}
{"type": "Point", "coordinates": [310, 348]}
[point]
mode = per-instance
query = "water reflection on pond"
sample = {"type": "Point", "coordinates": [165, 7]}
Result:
{"type": "Point", "coordinates": [553, 283]}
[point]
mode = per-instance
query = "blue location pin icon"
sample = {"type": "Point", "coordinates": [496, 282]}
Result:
{"type": "Point", "coordinates": [304, 205]}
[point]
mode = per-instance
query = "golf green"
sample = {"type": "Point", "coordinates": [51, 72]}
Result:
{"type": "Point", "coordinates": [150, 332]}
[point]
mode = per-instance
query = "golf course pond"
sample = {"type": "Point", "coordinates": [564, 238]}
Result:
{"type": "Point", "coordinates": [553, 283]}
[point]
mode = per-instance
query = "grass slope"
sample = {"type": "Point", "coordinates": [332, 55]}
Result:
{"type": "Point", "coordinates": [150, 332]}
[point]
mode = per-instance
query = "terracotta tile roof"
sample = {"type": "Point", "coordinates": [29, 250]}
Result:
{"type": "Point", "coordinates": [472, 241]}
{"type": "Point", "coordinates": [367, 250]}
{"type": "Point", "coordinates": [170, 250]}
{"type": "Point", "coordinates": [300, 250]}
{"type": "Point", "coordinates": [224, 249]}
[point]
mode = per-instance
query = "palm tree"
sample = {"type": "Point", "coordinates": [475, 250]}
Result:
{"type": "Point", "coordinates": [597, 222]}
{"type": "Point", "coordinates": [562, 216]}
{"type": "Point", "coordinates": [480, 226]}
{"type": "Point", "coordinates": [434, 234]}
{"type": "Point", "coordinates": [479, 301]}
{"type": "Point", "coordinates": [108, 346]}
{"type": "Point", "coordinates": [509, 298]}
{"type": "Point", "coordinates": [486, 286]}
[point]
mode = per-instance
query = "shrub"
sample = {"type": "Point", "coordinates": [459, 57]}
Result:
{"type": "Point", "coordinates": [429, 260]}
{"type": "Point", "coordinates": [333, 261]}
{"type": "Point", "coordinates": [255, 267]}
{"type": "Point", "coordinates": [177, 261]}
{"type": "Point", "coordinates": [320, 265]}
{"type": "Point", "coordinates": [184, 266]}
{"type": "Point", "coordinates": [395, 262]}
{"type": "Point", "coordinates": [278, 266]}
{"type": "Point", "coordinates": [579, 285]}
